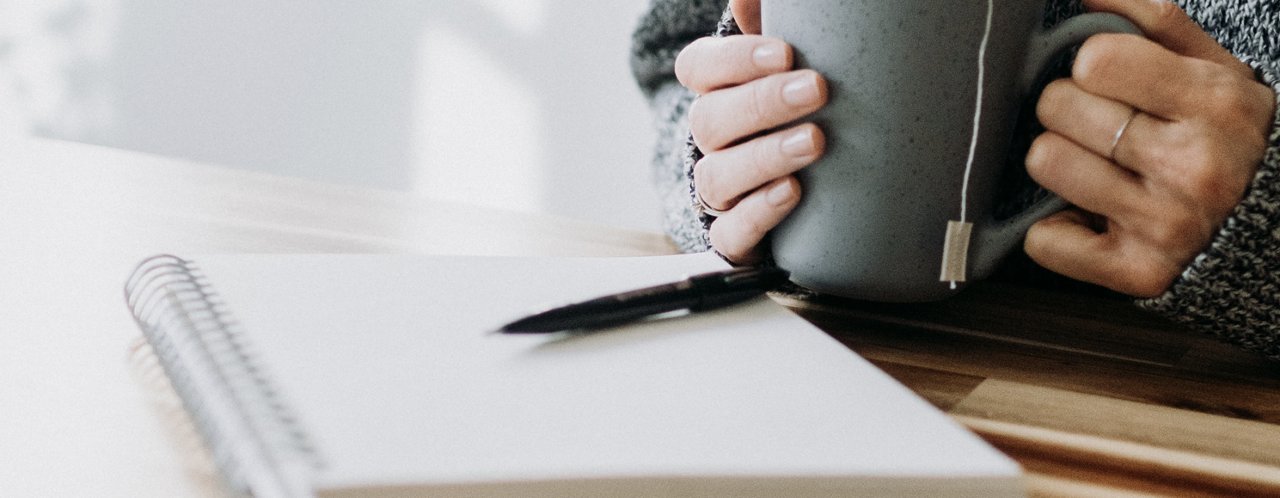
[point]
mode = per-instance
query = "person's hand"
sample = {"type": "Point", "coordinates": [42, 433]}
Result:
{"type": "Point", "coordinates": [747, 87]}
{"type": "Point", "coordinates": [1155, 140]}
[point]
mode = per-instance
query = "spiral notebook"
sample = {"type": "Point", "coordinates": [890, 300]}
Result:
{"type": "Point", "coordinates": [377, 375]}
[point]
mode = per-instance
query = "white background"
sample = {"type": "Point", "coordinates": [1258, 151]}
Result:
{"type": "Point", "coordinates": [521, 104]}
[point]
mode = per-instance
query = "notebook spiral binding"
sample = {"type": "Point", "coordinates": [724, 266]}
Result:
{"type": "Point", "coordinates": [193, 454]}
{"type": "Point", "coordinates": [253, 437]}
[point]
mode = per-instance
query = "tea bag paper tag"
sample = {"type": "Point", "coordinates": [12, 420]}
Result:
{"type": "Point", "coordinates": [955, 252]}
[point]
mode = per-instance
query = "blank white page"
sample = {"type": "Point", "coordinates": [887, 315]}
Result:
{"type": "Point", "coordinates": [390, 363]}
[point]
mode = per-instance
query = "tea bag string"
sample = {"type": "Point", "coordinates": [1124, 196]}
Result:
{"type": "Point", "coordinates": [955, 252]}
{"type": "Point", "coordinates": [977, 112]}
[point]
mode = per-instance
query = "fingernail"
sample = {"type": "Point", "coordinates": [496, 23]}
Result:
{"type": "Point", "coordinates": [780, 194]}
{"type": "Point", "coordinates": [770, 55]}
{"type": "Point", "coordinates": [801, 91]}
{"type": "Point", "coordinates": [799, 144]}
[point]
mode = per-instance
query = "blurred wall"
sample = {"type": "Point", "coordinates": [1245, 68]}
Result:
{"type": "Point", "coordinates": [521, 104]}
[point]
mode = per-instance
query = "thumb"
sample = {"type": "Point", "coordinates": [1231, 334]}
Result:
{"type": "Point", "coordinates": [747, 13]}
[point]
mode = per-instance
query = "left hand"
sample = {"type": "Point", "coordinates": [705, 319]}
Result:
{"type": "Point", "coordinates": [1151, 201]}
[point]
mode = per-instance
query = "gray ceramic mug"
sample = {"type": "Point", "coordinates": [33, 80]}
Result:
{"type": "Point", "coordinates": [901, 206]}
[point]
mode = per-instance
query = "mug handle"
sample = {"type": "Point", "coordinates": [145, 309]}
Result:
{"type": "Point", "coordinates": [993, 239]}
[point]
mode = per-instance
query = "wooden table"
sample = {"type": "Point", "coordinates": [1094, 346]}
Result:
{"type": "Point", "coordinates": [1090, 395]}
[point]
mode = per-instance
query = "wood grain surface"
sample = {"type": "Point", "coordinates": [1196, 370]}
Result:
{"type": "Point", "coordinates": [1091, 395]}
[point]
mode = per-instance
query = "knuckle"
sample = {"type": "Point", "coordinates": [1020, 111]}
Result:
{"type": "Point", "coordinates": [1053, 100]}
{"type": "Point", "coordinates": [1147, 277]}
{"type": "Point", "coordinates": [727, 238]}
{"type": "Point", "coordinates": [1177, 228]}
{"type": "Point", "coordinates": [761, 98]}
{"type": "Point", "coordinates": [1097, 58]}
{"type": "Point", "coordinates": [707, 122]}
{"type": "Point", "coordinates": [1264, 110]}
{"type": "Point", "coordinates": [1227, 98]}
{"type": "Point", "coordinates": [705, 181]}
{"type": "Point", "coordinates": [723, 242]}
{"type": "Point", "coordinates": [1207, 187]}
{"type": "Point", "coordinates": [698, 123]}
{"type": "Point", "coordinates": [1143, 209]}
{"type": "Point", "coordinates": [1159, 151]}
{"type": "Point", "coordinates": [765, 156]}
{"type": "Point", "coordinates": [1144, 281]}
{"type": "Point", "coordinates": [755, 227]}
{"type": "Point", "coordinates": [687, 66]}
{"type": "Point", "coordinates": [1154, 156]}
{"type": "Point", "coordinates": [1197, 175]}
{"type": "Point", "coordinates": [1165, 232]}
{"type": "Point", "coordinates": [1165, 17]}
{"type": "Point", "coordinates": [1168, 17]}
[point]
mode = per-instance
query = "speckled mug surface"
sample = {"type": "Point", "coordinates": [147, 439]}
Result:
{"type": "Point", "coordinates": [913, 146]}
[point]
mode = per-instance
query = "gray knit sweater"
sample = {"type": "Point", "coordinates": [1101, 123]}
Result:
{"type": "Point", "coordinates": [1231, 290]}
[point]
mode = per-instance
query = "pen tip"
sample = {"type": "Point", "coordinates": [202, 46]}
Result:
{"type": "Point", "coordinates": [512, 329]}
{"type": "Point", "coordinates": [517, 331]}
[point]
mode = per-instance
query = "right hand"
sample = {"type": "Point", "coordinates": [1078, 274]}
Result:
{"type": "Point", "coordinates": [746, 86]}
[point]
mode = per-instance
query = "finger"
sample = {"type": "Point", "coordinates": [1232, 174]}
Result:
{"type": "Point", "coordinates": [1065, 243]}
{"type": "Point", "coordinates": [1146, 144]}
{"type": "Point", "coordinates": [720, 118]}
{"type": "Point", "coordinates": [1087, 119]}
{"type": "Point", "coordinates": [1165, 23]}
{"type": "Point", "coordinates": [724, 176]}
{"type": "Point", "coordinates": [1138, 142]}
{"type": "Point", "coordinates": [1084, 178]}
{"type": "Point", "coordinates": [709, 64]}
{"type": "Point", "coordinates": [747, 13]}
{"type": "Point", "coordinates": [1138, 72]}
{"type": "Point", "coordinates": [737, 234]}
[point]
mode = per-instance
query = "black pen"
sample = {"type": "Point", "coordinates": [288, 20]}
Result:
{"type": "Point", "coordinates": [696, 293]}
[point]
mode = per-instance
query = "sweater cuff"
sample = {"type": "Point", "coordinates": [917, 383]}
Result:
{"type": "Point", "coordinates": [1232, 290]}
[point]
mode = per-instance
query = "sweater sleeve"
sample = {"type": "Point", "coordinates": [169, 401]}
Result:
{"type": "Point", "coordinates": [1232, 289]}
{"type": "Point", "coordinates": [667, 27]}
{"type": "Point", "coordinates": [665, 30]}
